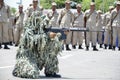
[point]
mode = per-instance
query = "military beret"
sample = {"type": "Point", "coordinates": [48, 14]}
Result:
{"type": "Point", "coordinates": [118, 3]}
{"type": "Point", "coordinates": [111, 7]}
{"type": "Point", "coordinates": [35, 0]}
{"type": "Point", "coordinates": [92, 3]}
{"type": "Point", "coordinates": [68, 1]}
{"type": "Point", "coordinates": [78, 5]}
{"type": "Point", "coordinates": [54, 4]}
{"type": "Point", "coordinates": [20, 5]}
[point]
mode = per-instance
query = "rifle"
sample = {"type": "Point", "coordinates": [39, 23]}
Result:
{"type": "Point", "coordinates": [62, 30]}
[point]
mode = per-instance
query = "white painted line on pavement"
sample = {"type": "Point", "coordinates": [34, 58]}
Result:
{"type": "Point", "coordinates": [6, 67]}
{"type": "Point", "coordinates": [67, 56]}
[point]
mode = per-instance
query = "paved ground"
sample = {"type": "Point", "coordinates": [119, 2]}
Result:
{"type": "Point", "coordinates": [75, 65]}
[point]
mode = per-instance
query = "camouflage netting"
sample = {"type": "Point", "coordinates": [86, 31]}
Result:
{"type": "Point", "coordinates": [36, 49]}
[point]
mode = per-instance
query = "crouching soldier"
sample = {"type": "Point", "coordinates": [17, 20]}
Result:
{"type": "Point", "coordinates": [38, 49]}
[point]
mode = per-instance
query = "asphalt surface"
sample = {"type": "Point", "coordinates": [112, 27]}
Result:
{"type": "Point", "coordinates": [75, 65]}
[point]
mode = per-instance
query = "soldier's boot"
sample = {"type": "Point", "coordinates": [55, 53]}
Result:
{"type": "Point", "coordinates": [105, 46]}
{"type": "Point", "coordinates": [10, 43]}
{"type": "Point", "coordinates": [101, 46]}
{"type": "Point", "coordinates": [80, 47]}
{"type": "Point", "coordinates": [87, 48]}
{"type": "Point", "coordinates": [110, 47]}
{"type": "Point", "coordinates": [62, 47]}
{"type": "Point", "coordinates": [113, 48]}
{"type": "Point", "coordinates": [53, 75]}
{"type": "Point", "coordinates": [74, 47]}
{"type": "Point", "coordinates": [0, 46]}
{"type": "Point", "coordinates": [67, 48]}
{"type": "Point", "coordinates": [6, 46]}
{"type": "Point", "coordinates": [94, 48]}
{"type": "Point", "coordinates": [119, 48]}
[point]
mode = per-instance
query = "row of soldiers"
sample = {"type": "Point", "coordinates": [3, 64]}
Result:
{"type": "Point", "coordinates": [91, 19]}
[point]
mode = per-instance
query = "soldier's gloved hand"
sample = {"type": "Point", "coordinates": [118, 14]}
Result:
{"type": "Point", "coordinates": [52, 35]}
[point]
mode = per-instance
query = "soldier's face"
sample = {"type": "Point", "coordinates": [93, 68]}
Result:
{"type": "Point", "coordinates": [79, 9]}
{"type": "Point", "coordinates": [118, 6]}
{"type": "Point", "coordinates": [20, 9]}
{"type": "Point", "coordinates": [35, 2]}
{"type": "Point", "coordinates": [67, 5]}
{"type": "Point", "coordinates": [53, 8]}
{"type": "Point", "coordinates": [1, 1]}
{"type": "Point", "coordinates": [92, 7]}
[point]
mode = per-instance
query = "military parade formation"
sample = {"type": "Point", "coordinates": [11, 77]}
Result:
{"type": "Point", "coordinates": [38, 48]}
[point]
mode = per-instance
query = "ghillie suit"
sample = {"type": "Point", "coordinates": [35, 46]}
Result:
{"type": "Point", "coordinates": [37, 49]}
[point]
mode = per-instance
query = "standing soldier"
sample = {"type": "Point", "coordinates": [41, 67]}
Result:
{"type": "Point", "coordinates": [65, 19]}
{"type": "Point", "coordinates": [91, 17]}
{"type": "Point", "coordinates": [11, 29]}
{"type": "Point", "coordinates": [4, 16]}
{"type": "Point", "coordinates": [78, 22]}
{"type": "Point", "coordinates": [19, 17]}
{"type": "Point", "coordinates": [33, 8]}
{"type": "Point", "coordinates": [53, 16]}
{"type": "Point", "coordinates": [106, 20]}
{"type": "Point", "coordinates": [100, 27]}
{"type": "Point", "coordinates": [115, 24]}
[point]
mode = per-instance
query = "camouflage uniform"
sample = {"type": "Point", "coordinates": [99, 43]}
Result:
{"type": "Point", "coordinates": [115, 20]}
{"type": "Point", "coordinates": [53, 16]}
{"type": "Point", "coordinates": [11, 29]}
{"type": "Point", "coordinates": [35, 50]}
{"type": "Point", "coordinates": [99, 25]}
{"type": "Point", "coordinates": [91, 25]}
{"type": "Point", "coordinates": [18, 27]}
{"type": "Point", "coordinates": [4, 16]}
{"type": "Point", "coordinates": [78, 22]}
{"type": "Point", "coordinates": [66, 19]}
{"type": "Point", "coordinates": [106, 21]}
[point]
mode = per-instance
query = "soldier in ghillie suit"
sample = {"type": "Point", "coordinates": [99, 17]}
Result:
{"type": "Point", "coordinates": [37, 49]}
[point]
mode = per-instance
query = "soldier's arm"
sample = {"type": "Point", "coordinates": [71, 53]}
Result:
{"type": "Point", "coordinates": [85, 20]}
{"type": "Point", "coordinates": [72, 18]}
{"type": "Point", "coordinates": [59, 18]}
{"type": "Point", "coordinates": [104, 20]}
{"type": "Point", "coordinates": [8, 12]}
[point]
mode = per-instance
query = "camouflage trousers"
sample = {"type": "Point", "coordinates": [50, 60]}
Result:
{"type": "Point", "coordinates": [30, 62]}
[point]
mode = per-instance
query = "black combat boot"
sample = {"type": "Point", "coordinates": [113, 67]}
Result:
{"type": "Point", "coordinates": [80, 47]}
{"type": "Point", "coordinates": [113, 48]}
{"type": "Point", "coordinates": [94, 48]}
{"type": "Point", "coordinates": [6, 46]}
{"type": "Point", "coordinates": [101, 46]}
{"type": "Point", "coordinates": [67, 48]}
{"type": "Point", "coordinates": [74, 47]}
{"type": "Point", "coordinates": [10, 43]}
{"type": "Point", "coordinates": [0, 46]}
{"type": "Point", "coordinates": [110, 47]}
{"type": "Point", "coordinates": [87, 48]}
{"type": "Point", "coordinates": [53, 75]}
{"type": "Point", "coordinates": [62, 47]}
{"type": "Point", "coordinates": [118, 48]}
{"type": "Point", "coordinates": [105, 46]}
